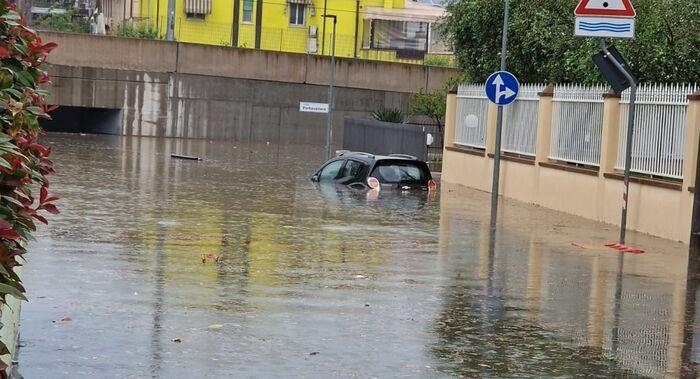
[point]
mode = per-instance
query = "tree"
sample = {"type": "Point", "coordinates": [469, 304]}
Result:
{"type": "Point", "coordinates": [433, 104]}
{"type": "Point", "coordinates": [542, 47]}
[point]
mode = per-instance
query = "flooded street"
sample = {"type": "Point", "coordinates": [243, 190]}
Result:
{"type": "Point", "coordinates": [238, 266]}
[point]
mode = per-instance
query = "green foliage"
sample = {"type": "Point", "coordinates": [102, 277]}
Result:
{"type": "Point", "coordinates": [24, 162]}
{"type": "Point", "coordinates": [390, 115]}
{"type": "Point", "coordinates": [542, 47]}
{"type": "Point", "coordinates": [429, 104]}
{"type": "Point", "coordinates": [433, 104]}
{"type": "Point", "coordinates": [438, 61]}
{"type": "Point", "coordinates": [144, 30]}
{"type": "Point", "coordinates": [66, 22]}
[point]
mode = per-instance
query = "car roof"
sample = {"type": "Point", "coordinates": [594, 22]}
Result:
{"type": "Point", "coordinates": [368, 157]}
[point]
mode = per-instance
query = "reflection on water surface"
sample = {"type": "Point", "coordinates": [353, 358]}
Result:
{"type": "Point", "coordinates": [313, 281]}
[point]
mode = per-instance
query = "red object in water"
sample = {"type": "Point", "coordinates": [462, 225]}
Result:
{"type": "Point", "coordinates": [624, 248]}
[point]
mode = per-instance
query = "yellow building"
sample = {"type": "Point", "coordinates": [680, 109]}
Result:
{"type": "Point", "coordinates": [390, 30]}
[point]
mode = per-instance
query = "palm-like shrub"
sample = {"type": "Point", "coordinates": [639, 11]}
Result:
{"type": "Point", "coordinates": [390, 115]}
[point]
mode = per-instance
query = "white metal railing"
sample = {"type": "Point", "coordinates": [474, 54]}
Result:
{"type": "Point", "coordinates": [520, 121]}
{"type": "Point", "coordinates": [659, 129]}
{"type": "Point", "coordinates": [577, 120]}
{"type": "Point", "coordinates": [472, 111]}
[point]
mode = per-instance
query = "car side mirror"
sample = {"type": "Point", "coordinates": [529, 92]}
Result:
{"type": "Point", "coordinates": [314, 178]}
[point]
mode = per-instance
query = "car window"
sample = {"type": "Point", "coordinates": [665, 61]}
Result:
{"type": "Point", "coordinates": [400, 171]}
{"type": "Point", "coordinates": [352, 169]}
{"type": "Point", "coordinates": [331, 171]}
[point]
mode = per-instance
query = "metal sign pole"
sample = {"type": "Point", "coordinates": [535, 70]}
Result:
{"type": "Point", "coordinates": [628, 144]}
{"type": "Point", "coordinates": [499, 124]}
{"type": "Point", "coordinates": [329, 120]}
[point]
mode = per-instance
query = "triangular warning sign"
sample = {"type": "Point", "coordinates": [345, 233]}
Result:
{"type": "Point", "coordinates": [605, 8]}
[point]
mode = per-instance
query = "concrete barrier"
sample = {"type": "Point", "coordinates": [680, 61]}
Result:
{"type": "Point", "coordinates": [86, 50]}
{"type": "Point", "coordinates": [240, 63]}
{"type": "Point", "coordinates": [157, 56]}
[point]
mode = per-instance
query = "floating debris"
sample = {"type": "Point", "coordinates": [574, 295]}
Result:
{"type": "Point", "coordinates": [211, 257]}
{"type": "Point", "coordinates": [187, 157]}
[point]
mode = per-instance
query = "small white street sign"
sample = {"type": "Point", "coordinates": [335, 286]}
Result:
{"type": "Point", "coordinates": [305, 106]}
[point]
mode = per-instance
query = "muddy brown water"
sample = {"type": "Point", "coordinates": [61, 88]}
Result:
{"type": "Point", "coordinates": [307, 281]}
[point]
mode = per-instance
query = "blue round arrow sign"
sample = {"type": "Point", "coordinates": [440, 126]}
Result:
{"type": "Point", "coordinates": [502, 87]}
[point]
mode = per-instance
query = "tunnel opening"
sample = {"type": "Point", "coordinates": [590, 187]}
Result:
{"type": "Point", "coordinates": [84, 120]}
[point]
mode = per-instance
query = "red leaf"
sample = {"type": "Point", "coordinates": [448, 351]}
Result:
{"type": "Point", "coordinates": [9, 234]}
{"type": "Point", "coordinates": [39, 148]}
{"type": "Point", "coordinates": [49, 47]}
{"type": "Point", "coordinates": [43, 195]}
{"type": "Point", "coordinates": [4, 224]}
{"type": "Point", "coordinates": [49, 108]}
{"type": "Point", "coordinates": [51, 208]}
{"type": "Point", "coordinates": [40, 218]}
{"type": "Point", "coordinates": [6, 230]}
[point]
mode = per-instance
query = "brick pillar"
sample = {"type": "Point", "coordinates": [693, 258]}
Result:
{"type": "Point", "coordinates": [692, 134]}
{"type": "Point", "coordinates": [450, 118]}
{"type": "Point", "coordinates": [610, 136]}
{"type": "Point", "coordinates": [544, 124]}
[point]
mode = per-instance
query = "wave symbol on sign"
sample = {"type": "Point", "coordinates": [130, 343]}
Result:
{"type": "Point", "coordinates": [604, 26]}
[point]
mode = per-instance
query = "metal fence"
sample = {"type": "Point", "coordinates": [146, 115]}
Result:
{"type": "Point", "coordinates": [291, 39]}
{"type": "Point", "coordinates": [659, 129]}
{"type": "Point", "coordinates": [577, 122]}
{"type": "Point", "coordinates": [379, 137]}
{"type": "Point", "coordinates": [434, 150]}
{"type": "Point", "coordinates": [520, 121]}
{"type": "Point", "coordinates": [472, 112]}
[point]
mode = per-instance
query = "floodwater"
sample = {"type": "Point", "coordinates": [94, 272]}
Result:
{"type": "Point", "coordinates": [302, 281]}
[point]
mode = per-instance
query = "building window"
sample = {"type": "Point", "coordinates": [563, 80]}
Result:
{"type": "Point", "coordinates": [297, 14]}
{"type": "Point", "coordinates": [399, 35]}
{"type": "Point", "coordinates": [195, 16]}
{"type": "Point", "coordinates": [247, 10]}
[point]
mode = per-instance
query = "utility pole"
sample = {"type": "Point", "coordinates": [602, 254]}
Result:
{"type": "Point", "coordinates": [170, 32]}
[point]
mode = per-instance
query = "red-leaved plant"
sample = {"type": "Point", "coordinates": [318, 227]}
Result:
{"type": "Point", "coordinates": [24, 162]}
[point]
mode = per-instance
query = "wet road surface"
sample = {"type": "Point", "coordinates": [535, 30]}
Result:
{"type": "Point", "coordinates": [306, 281]}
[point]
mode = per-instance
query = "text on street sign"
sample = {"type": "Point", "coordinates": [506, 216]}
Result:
{"type": "Point", "coordinates": [305, 106]}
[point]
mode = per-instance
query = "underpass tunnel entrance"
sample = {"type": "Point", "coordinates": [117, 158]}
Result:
{"type": "Point", "coordinates": [84, 120]}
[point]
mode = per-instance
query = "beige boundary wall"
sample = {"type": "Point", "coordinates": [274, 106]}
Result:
{"type": "Point", "coordinates": [657, 207]}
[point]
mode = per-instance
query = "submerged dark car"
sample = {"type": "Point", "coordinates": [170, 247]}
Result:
{"type": "Point", "coordinates": [364, 171]}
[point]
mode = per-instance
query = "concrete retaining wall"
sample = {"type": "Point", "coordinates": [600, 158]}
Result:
{"type": "Point", "coordinates": [172, 89]}
{"type": "Point", "coordinates": [198, 106]}
{"type": "Point", "coordinates": [156, 56]}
